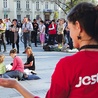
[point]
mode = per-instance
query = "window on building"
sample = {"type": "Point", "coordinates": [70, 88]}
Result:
{"type": "Point", "coordinates": [46, 5]}
{"type": "Point", "coordinates": [37, 5]}
{"type": "Point", "coordinates": [5, 16]}
{"type": "Point", "coordinates": [27, 4]}
{"type": "Point", "coordinates": [19, 17]}
{"type": "Point", "coordinates": [18, 4]}
{"type": "Point", "coordinates": [5, 3]}
{"type": "Point", "coordinates": [28, 16]}
{"type": "Point", "coordinates": [37, 17]}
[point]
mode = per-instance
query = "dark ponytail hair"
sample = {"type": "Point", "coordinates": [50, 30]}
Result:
{"type": "Point", "coordinates": [87, 15]}
{"type": "Point", "coordinates": [13, 51]}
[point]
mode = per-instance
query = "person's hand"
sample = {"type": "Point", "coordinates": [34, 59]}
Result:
{"type": "Point", "coordinates": [8, 83]}
{"type": "Point", "coordinates": [12, 83]}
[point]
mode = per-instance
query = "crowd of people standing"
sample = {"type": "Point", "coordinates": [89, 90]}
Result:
{"type": "Point", "coordinates": [50, 32]}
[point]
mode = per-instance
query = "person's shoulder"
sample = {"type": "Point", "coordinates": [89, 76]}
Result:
{"type": "Point", "coordinates": [29, 23]}
{"type": "Point", "coordinates": [32, 55]}
{"type": "Point", "coordinates": [69, 60]}
{"type": "Point", "coordinates": [2, 64]}
{"type": "Point", "coordinates": [44, 26]}
{"type": "Point", "coordinates": [17, 58]}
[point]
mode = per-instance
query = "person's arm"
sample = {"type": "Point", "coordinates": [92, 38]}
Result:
{"type": "Point", "coordinates": [4, 69]}
{"type": "Point", "coordinates": [31, 61]}
{"type": "Point", "coordinates": [14, 64]}
{"type": "Point", "coordinates": [52, 27]}
{"type": "Point", "coordinates": [29, 65]}
{"type": "Point", "coordinates": [12, 83]}
{"type": "Point", "coordinates": [30, 27]}
{"type": "Point", "coordinates": [43, 29]}
{"type": "Point", "coordinates": [3, 27]}
{"type": "Point", "coordinates": [60, 87]}
{"type": "Point", "coordinates": [23, 27]}
{"type": "Point", "coordinates": [37, 26]}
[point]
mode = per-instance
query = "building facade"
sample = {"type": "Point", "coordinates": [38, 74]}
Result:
{"type": "Point", "coordinates": [19, 9]}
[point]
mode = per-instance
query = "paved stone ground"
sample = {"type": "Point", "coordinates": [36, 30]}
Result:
{"type": "Point", "coordinates": [45, 64]}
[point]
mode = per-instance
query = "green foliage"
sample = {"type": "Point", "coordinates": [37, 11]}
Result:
{"type": "Point", "coordinates": [70, 4]}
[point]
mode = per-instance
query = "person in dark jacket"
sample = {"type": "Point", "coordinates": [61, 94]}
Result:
{"type": "Point", "coordinates": [30, 63]}
{"type": "Point", "coordinates": [34, 32]}
{"type": "Point", "coordinates": [14, 34]}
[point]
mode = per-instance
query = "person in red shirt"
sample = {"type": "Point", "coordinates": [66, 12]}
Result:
{"type": "Point", "coordinates": [17, 66]}
{"type": "Point", "coordinates": [52, 32]}
{"type": "Point", "coordinates": [75, 76]}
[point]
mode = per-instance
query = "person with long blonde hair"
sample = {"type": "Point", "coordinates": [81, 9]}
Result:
{"type": "Point", "coordinates": [30, 63]}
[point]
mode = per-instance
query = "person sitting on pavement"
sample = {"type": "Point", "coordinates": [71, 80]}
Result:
{"type": "Point", "coordinates": [30, 63]}
{"type": "Point", "coordinates": [74, 77]}
{"type": "Point", "coordinates": [17, 66]}
{"type": "Point", "coordinates": [2, 65]}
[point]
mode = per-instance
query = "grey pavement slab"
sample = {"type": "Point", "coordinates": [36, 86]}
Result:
{"type": "Point", "coordinates": [45, 64]}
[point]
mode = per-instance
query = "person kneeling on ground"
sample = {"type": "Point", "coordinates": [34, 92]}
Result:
{"type": "Point", "coordinates": [17, 66]}
{"type": "Point", "coordinates": [2, 65]}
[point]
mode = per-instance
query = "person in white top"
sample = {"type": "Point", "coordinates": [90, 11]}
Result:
{"type": "Point", "coordinates": [7, 32]}
{"type": "Point", "coordinates": [26, 29]}
{"type": "Point", "coordinates": [42, 32]}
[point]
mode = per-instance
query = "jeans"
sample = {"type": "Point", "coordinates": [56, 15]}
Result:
{"type": "Point", "coordinates": [13, 74]}
{"type": "Point", "coordinates": [27, 39]}
{"type": "Point", "coordinates": [8, 37]}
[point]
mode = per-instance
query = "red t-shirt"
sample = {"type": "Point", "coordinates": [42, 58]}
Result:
{"type": "Point", "coordinates": [75, 76]}
{"type": "Point", "coordinates": [53, 31]}
{"type": "Point", "coordinates": [18, 64]}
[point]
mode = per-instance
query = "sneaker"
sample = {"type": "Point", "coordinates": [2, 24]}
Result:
{"type": "Point", "coordinates": [23, 52]}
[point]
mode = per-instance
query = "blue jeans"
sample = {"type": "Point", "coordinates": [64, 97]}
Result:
{"type": "Point", "coordinates": [27, 39]}
{"type": "Point", "coordinates": [13, 74]}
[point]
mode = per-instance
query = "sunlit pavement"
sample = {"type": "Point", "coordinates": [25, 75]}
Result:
{"type": "Point", "coordinates": [45, 65]}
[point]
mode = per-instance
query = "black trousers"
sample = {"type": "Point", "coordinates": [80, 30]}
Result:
{"type": "Point", "coordinates": [7, 35]}
{"type": "Point", "coordinates": [51, 40]}
{"type": "Point", "coordinates": [17, 45]}
{"type": "Point", "coordinates": [70, 42]}
{"type": "Point", "coordinates": [34, 37]}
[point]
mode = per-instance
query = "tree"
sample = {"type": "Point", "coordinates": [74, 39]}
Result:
{"type": "Point", "coordinates": [66, 5]}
